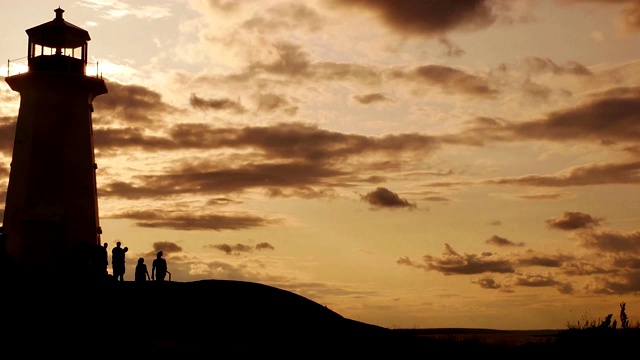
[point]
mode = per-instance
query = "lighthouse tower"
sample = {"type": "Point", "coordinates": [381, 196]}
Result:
{"type": "Point", "coordinates": [51, 212]}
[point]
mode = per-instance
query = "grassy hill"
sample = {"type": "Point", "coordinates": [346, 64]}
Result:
{"type": "Point", "coordinates": [236, 319]}
{"type": "Point", "coordinates": [185, 318]}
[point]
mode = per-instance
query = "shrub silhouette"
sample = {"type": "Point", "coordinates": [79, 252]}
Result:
{"type": "Point", "coordinates": [624, 320]}
{"type": "Point", "coordinates": [606, 323]}
{"type": "Point", "coordinates": [591, 336]}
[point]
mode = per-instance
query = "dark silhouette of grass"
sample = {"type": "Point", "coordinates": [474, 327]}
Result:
{"type": "Point", "coordinates": [182, 318]}
{"type": "Point", "coordinates": [237, 319]}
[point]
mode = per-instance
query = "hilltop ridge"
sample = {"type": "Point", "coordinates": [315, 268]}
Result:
{"type": "Point", "coordinates": [218, 316]}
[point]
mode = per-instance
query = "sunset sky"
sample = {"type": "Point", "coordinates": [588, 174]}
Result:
{"type": "Point", "coordinates": [409, 164]}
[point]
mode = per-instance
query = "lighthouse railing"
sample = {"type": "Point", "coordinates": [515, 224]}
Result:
{"type": "Point", "coordinates": [16, 62]}
{"type": "Point", "coordinates": [22, 65]}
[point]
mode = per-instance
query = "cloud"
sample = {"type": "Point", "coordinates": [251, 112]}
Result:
{"type": "Point", "coordinates": [626, 260]}
{"type": "Point", "coordinates": [303, 192]}
{"type": "Point", "coordinates": [628, 283]}
{"type": "Point", "coordinates": [345, 72]}
{"type": "Point", "coordinates": [436, 198]}
{"type": "Point", "coordinates": [289, 60]}
{"type": "Point", "coordinates": [205, 179]}
{"type": "Point", "coordinates": [371, 98]}
{"type": "Point", "coordinates": [284, 160]}
{"type": "Point", "coordinates": [578, 267]}
{"type": "Point", "coordinates": [284, 145]}
{"type": "Point", "coordinates": [167, 247]}
{"type": "Point", "coordinates": [541, 65]}
{"type": "Point", "coordinates": [529, 280]}
{"type": "Point", "coordinates": [452, 263]}
{"type": "Point", "coordinates": [224, 5]}
{"type": "Point", "coordinates": [453, 80]}
{"type": "Point", "coordinates": [629, 15]}
{"type": "Point", "coordinates": [573, 221]}
{"type": "Point", "coordinates": [130, 104]}
{"type": "Point", "coordinates": [192, 220]}
{"type": "Point", "coordinates": [548, 196]}
{"type": "Point", "coordinates": [531, 258]}
{"type": "Point", "coordinates": [221, 201]}
{"type": "Point", "coordinates": [500, 241]}
{"type": "Point", "coordinates": [285, 17]}
{"type": "Point", "coordinates": [113, 10]}
{"type": "Point", "coordinates": [216, 104]}
{"type": "Point", "coordinates": [241, 248]}
{"type": "Point", "coordinates": [428, 17]}
{"type": "Point", "coordinates": [264, 246]}
{"type": "Point", "coordinates": [452, 50]}
{"type": "Point", "coordinates": [7, 134]}
{"type": "Point", "coordinates": [274, 102]}
{"type": "Point", "coordinates": [605, 117]}
{"type": "Point", "coordinates": [611, 241]}
{"type": "Point", "coordinates": [285, 59]}
{"type": "Point", "coordinates": [384, 198]}
{"type": "Point", "coordinates": [536, 91]}
{"type": "Point", "coordinates": [613, 114]}
{"type": "Point", "coordinates": [488, 283]}
{"type": "Point", "coordinates": [590, 174]}
{"type": "Point", "coordinates": [608, 252]}
{"type": "Point", "coordinates": [536, 280]}
{"type": "Point", "coordinates": [112, 140]}
{"type": "Point", "coordinates": [232, 249]}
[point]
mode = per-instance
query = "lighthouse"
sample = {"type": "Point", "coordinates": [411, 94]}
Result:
{"type": "Point", "coordinates": [51, 217]}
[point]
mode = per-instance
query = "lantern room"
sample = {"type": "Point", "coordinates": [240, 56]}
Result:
{"type": "Point", "coordinates": [58, 46]}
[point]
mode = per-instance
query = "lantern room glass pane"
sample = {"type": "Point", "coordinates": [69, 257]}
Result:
{"type": "Point", "coordinates": [39, 50]}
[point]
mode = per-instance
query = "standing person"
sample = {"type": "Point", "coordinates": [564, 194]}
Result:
{"type": "Point", "coordinates": [142, 274]}
{"type": "Point", "coordinates": [159, 268]}
{"type": "Point", "coordinates": [105, 258]}
{"type": "Point", "coordinates": [117, 261]}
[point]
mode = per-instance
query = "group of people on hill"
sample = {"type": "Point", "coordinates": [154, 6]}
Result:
{"type": "Point", "coordinates": [159, 269]}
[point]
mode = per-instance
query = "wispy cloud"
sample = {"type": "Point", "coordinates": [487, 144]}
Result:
{"type": "Point", "coordinates": [113, 10]}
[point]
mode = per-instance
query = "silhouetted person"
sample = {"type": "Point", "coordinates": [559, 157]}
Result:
{"type": "Point", "coordinates": [159, 268]}
{"type": "Point", "coordinates": [96, 262]}
{"type": "Point", "coordinates": [104, 258]}
{"type": "Point", "coordinates": [117, 261]}
{"type": "Point", "coordinates": [142, 274]}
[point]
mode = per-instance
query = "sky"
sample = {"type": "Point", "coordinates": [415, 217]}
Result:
{"type": "Point", "coordinates": [408, 164]}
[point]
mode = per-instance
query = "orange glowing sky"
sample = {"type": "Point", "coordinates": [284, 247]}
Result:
{"type": "Point", "coordinates": [405, 163]}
